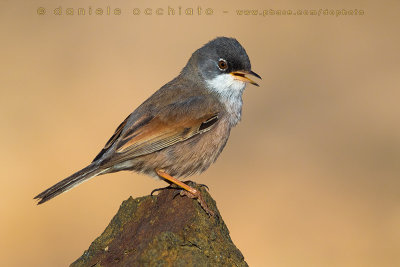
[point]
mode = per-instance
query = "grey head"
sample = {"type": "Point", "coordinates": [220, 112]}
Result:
{"type": "Point", "coordinates": [221, 63]}
{"type": "Point", "coordinates": [221, 66]}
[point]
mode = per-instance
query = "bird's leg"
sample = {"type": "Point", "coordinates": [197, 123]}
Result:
{"type": "Point", "coordinates": [188, 190]}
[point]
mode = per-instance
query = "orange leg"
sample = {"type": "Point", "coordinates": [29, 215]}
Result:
{"type": "Point", "coordinates": [173, 180]}
{"type": "Point", "coordinates": [190, 191]}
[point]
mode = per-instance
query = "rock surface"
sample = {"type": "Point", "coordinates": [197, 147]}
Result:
{"type": "Point", "coordinates": [164, 230]}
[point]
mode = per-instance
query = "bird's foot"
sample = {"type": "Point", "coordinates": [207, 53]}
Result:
{"type": "Point", "coordinates": [200, 185]}
{"type": "Point", "coordinates": [182, 192]}
{"type": "Point", "coordinates": [164, 188]}
{"type": "Point", "coordinates": [197, 195]}
{"type": "Point", "coordinates": [188, 190]}
{"type": "Point", "coordinates": [175, 187]}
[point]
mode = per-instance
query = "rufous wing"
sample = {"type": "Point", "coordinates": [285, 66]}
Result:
{"type": "Point", "coordinates": [159, 134]}
{"type": "Point", "coordinates": [174, 123]}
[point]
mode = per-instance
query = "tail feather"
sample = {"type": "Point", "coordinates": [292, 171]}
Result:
{"type": "Point", "coordinates": [68, 183]}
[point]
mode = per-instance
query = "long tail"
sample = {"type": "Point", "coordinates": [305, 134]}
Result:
{"type": "Point", "coordinates": [68, 183]}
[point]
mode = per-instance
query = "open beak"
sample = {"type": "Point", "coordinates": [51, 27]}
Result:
{"type": "Point", "coordinates": [241, 76]}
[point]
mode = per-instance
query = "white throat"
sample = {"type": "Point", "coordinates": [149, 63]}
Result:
{"type": "Point", "coordinates": [230, 91]}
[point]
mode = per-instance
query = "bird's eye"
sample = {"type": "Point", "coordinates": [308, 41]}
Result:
{"type": "Point", "coordinates": [222, 64]}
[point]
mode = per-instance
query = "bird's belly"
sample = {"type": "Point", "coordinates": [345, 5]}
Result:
{"type": "Point", "coordinates": [186, 158]}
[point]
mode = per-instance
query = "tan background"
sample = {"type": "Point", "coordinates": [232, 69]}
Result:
{"type": "Point", "coordinates": [309, 178]}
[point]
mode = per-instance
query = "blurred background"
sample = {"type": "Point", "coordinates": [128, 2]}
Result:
{"type": "Point", "coordinates": [310, 177]}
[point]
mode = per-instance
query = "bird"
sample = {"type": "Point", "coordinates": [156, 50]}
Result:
{"type": "Point", "coordinates": [182, 128]}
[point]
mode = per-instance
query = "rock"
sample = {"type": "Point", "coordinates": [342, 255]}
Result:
{"type": "Point", "coordinates": [164, 230]}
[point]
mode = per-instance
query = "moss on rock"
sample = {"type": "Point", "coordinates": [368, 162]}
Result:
{"type": "Point", "coordinates": [164, 230]}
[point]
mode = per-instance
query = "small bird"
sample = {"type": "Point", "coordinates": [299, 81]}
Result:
{"type": "Point", "coordinates": [182, 128]}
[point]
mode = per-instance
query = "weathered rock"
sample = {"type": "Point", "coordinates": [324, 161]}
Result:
{"type": "Point", "coordinates": [164, 230]}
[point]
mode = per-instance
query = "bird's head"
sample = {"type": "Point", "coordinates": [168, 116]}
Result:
{"type": "Point", "coordinates": [223, 65]}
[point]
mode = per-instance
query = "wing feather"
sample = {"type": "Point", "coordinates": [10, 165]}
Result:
{"type": "Point", "coordinates": [158, 135]}
{"type": "Point", "coordinates": [174, 123]}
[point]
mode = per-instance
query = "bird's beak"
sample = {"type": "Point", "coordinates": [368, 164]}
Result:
{"type": "Point", "coordinates": [241, 76]}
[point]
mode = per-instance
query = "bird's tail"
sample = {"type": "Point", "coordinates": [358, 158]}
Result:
{"type": "Point", "coordinates": [68, 183]}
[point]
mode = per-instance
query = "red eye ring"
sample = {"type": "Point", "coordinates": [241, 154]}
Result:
{"type": "Point", "coordinates": [222, 64]}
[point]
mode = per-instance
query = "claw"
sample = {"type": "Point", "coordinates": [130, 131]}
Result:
{"type": "Point", "coordinates": [201, 185]}
{"type": "Point", "coordinates": [204, 185]}
{"type": "Point", "coordinates": [162, 188]}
